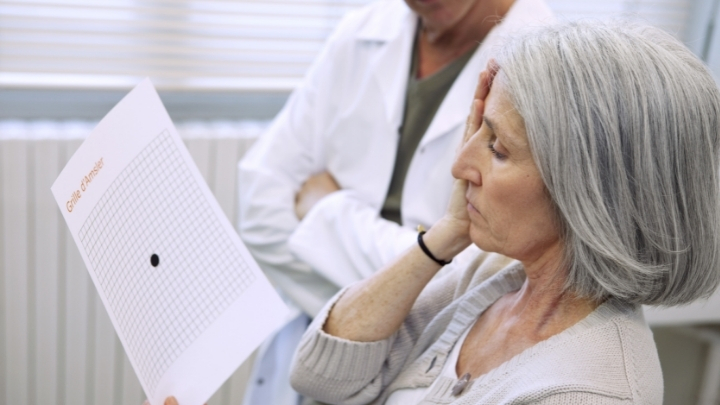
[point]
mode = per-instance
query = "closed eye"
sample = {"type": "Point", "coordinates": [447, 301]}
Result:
{"type": "Point", "coordinates": [498, 155]}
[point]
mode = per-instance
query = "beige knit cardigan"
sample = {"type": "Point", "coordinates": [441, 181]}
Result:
{"type": "Point", "coordinates": [607, 358]}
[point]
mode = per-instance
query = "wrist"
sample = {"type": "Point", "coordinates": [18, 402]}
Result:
{"type": "Point", "coordinates": [445, 241]}
{"type": "Point", "coordinates": [427, 251]}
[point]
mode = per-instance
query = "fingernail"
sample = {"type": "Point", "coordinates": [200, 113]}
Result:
{"type": "Point", "coordinates": [171, 401]}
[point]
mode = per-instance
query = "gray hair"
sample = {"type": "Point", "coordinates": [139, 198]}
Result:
{"type": "Point", "coordinates": [623, 125]}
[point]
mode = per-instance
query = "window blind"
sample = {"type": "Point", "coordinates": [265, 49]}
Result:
{"type": "Point", "coordinates": [670, 15]}
{"type": "Point", "coordinates": [207, 45]}
{"type": "Point", "coordinates": [180, 44]}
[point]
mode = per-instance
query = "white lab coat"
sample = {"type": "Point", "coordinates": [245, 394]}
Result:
{"type": "Point", "coordinates": [345, 119]}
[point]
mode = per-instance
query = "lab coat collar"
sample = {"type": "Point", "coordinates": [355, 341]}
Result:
{"type": "Point", "coordinates": [393, 29]}
{"type": "Point", "coordinates": [454, 109]}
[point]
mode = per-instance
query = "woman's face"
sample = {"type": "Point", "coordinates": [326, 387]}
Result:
{"type": "Point", "coordinates": [510, 212]}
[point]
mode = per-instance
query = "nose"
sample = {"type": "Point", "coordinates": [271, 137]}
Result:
{"type": "Point", "coordinates": [467, 163]}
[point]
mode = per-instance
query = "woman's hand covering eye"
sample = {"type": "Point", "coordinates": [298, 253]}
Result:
{"type": "Point", "coordinates": [457, 209]}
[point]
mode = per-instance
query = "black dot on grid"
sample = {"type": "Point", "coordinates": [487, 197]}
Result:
{"type": "Point", "coordinates": [154, 260]}
{"type": "Point", "coordinates": [110, 219]}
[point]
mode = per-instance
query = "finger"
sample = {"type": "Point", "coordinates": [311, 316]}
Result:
{"type": "Point", "coordinates": [484, 84]}
{"type": "Point", "coordinates": [493, 68]}
{"type": "Point", "coordinates": [171, 401]}
{"type": "Point", "coordinates": [487, 77]}
{"type": "Point", "coordinates": [482, 88]}
{"type": "Point", "coordinates": [473, 120]}
{"type": "Point", "coordinates": [477, 107]}
{"type": "Point", "coordinates": [146, 402]}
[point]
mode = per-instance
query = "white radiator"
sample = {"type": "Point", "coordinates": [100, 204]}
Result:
{"type": "Point", "coordinates": [57, 345]}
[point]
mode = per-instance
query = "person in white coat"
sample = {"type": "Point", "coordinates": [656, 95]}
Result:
{"type": "Point", "coordinates": [321, 187]}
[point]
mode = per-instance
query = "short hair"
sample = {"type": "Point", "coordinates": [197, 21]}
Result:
{"type": "Point", "coordinates": [622, 121]}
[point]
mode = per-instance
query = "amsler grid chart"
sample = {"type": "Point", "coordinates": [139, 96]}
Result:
{"type": "Point", "coordinates": [157, 250]}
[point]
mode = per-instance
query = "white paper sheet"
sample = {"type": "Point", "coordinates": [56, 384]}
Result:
{"type": "Point", "coordinates": [184, 295]}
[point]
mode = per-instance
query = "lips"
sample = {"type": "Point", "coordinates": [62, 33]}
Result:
{"type": "Point", "coordinates": [471, 208]}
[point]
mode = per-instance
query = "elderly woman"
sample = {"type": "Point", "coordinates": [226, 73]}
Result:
{"type": "Point", "coordinates": [590, 169]}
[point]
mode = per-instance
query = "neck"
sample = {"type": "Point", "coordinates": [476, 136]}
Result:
{"type": "Point", "coordinates": [440, 45]}
{"type": "Point", "coordinates": [542, 303]}
{"type": "Point", "coordinates": [472, 27]}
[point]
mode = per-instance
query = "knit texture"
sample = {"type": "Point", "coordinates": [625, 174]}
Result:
{"type": "Point", "coordinates": [607, 358]}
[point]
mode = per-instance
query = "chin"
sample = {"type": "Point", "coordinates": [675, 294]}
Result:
{"type": "Point", "coordinates": [481, 239]}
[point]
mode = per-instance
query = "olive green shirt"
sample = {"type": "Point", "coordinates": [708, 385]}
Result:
{"type": "Point", "coordinates": [422, 100]}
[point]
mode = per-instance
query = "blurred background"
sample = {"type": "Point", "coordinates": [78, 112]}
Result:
{"type": "Point", "coordinates": [223, 68]}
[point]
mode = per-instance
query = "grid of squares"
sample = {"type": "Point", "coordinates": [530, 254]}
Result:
{"type": "Point", "coordinates": [156, 207]}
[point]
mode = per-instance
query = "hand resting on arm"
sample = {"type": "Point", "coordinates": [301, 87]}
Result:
{"type": "Point", "coordinates": [313, 190]}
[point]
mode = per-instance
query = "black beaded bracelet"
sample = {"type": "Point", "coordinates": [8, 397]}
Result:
{"type": "Point", "coordinates": [427, 251]}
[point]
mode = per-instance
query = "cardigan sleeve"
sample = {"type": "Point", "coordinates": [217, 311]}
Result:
{"type": "Point", "coordinates": [339, 371]}
{"type": "Point", "coordinates": [580, 397]}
